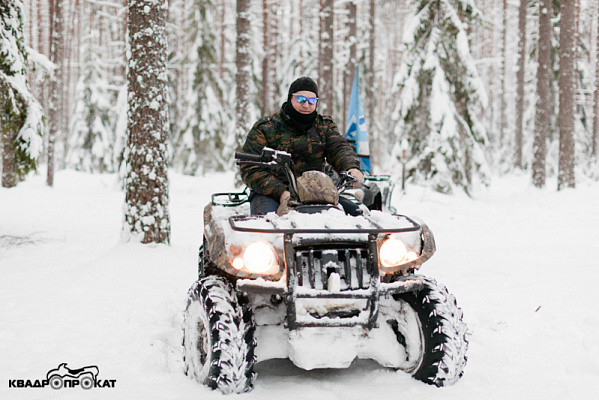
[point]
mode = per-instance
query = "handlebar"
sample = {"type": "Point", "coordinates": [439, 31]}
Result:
{"type": "Point", "coordinates": [248, 157]}
{"type": "Point", "coordinates": [348, 181]}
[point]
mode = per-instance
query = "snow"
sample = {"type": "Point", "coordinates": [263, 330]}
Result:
{"type": "Point", "coordinates": [519, 260]}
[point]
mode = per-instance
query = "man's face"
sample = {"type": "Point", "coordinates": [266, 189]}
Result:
{"type": "Point", "coordinates": [306, 107]}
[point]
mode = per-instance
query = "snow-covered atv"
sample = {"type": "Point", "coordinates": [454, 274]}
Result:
{"type": "Point", "coordinates": [319, 287]}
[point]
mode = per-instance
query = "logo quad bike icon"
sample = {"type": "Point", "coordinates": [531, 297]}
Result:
{"type": "Point", "coordinates": [86, 376]}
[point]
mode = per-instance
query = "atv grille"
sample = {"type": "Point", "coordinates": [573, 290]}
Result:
{"type": "Point", "coordinates": [314, 266]}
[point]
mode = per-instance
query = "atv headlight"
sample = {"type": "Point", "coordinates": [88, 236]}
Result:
{"type": "Point", "coordinates": [260, 258]}
{"type": "Point", "coordinates": [393, 252]}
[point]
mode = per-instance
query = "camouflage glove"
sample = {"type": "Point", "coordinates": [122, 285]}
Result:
{"type": "Point", "coordinates": [287, 205]}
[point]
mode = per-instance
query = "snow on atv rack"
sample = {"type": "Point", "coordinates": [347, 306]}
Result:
{"type": "Point", "coordinates": [280, 225]}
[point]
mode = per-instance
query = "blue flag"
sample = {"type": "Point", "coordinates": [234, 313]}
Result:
{"type": "Point", "coordinates": [356, 127]}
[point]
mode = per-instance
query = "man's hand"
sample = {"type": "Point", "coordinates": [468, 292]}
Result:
{"type": "Point", "coordinates": [287, 203]}
{"type": "Point", "coordinates": [356, 173]}
{"type": "Point", "coordinates": [284, 195]}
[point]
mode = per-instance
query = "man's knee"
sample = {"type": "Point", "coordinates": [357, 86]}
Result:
{"type": "Point", "coordinates": [260, 204]}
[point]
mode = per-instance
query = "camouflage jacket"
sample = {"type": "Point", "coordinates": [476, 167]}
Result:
{"type": "Point", "coordinates": [309, 150]}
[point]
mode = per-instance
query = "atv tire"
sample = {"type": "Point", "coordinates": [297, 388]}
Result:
{"type": "Point", "coordinates": [218, 336]}
{"type": "Point", "coordinates": [439, 354]}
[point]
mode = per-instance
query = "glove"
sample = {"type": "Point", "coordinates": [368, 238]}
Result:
{"type": "Point", "coordinates": [287, 205]}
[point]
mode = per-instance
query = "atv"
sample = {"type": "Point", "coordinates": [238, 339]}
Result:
{"type": "Point", "coordinates": [317, 286]}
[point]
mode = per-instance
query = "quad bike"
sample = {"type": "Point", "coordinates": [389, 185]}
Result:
{"type": "Point", "coordinates": [318, 287]}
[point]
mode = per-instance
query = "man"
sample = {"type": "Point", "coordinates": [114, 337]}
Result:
{"type": "Point", "coordinates": [309, 137]}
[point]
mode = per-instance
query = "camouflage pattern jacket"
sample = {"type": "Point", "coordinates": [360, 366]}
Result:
{"type": "Point", "coordinates": [309, 150]}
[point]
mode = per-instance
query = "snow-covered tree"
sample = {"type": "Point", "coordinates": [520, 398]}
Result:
{"type": "Point", "coordinates": [146, 185]}
{"type": "Point", "coordinates": [441, 96]}
{"type": "Point", "coordinates": [21, 117]}
{"type": "Point", "coordinates": [91, 134]}
{"type": "Point", "coordinates": [204, 142]}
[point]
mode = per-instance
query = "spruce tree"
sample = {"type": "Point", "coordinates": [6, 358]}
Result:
{"type": "Point", "coordinates": [441, 95]}
{"type": "Point", "coordinates": [202, 143]}
{"type": "Point", "coordinates": [91, 134]}
{"type": "Point", "coordinates": [21, 118]}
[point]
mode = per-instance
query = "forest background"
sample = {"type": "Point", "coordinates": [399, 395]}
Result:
{"type": "Point", "coordinates": [454, 90]}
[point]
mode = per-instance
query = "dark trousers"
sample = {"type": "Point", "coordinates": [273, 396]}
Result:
{"type": "Point", "coordinates": [260, 205]}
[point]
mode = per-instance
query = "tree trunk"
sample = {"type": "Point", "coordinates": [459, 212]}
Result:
{"type": "Point", "coordinates": [370, 92]}
{"type": "Point", "coordinates": [269, 83]}
{"type": "Point", "coordinates": [567, 89]}
{"type": "Point", "coordinates": [325, 90]}
{"type": "Point", "coordinates": [9, 177]}
{"type": "Point", "coordinates": [223, 40]}
{"type": "Point", "coordinates": [10, 122]}
{"type": "Point", "coordinates": [520, 83]}
{"type": "Point", "coordinates": [146, 213]}
{"type": "Point", "coordinates": [543, 94]}
{"type": "Point", "coordinates": [267, 60]}
{"type": "Point", "coordinates": [242, 62]}
{"type": "Point", "coordinates": [350, 69]}
{"type": "Point", "coordinates": [56, 84]}
{"type": "Point", "coordinates": [595, 136]}
{"type": "Point", "coordinates": [503, 111]}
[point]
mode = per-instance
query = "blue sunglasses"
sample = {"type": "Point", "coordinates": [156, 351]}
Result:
{"type": "Point", "coordinates": [302, 99]}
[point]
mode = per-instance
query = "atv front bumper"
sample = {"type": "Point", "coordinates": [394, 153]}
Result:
{"type": "Point", "coordinates": [331, 308]}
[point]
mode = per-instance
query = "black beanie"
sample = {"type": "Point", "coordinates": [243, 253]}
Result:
{"type": "Point", "coordinates": [303, 83]}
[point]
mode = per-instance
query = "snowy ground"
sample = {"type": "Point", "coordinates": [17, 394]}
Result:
{"type": "Point", "coordinates": [520, 261]}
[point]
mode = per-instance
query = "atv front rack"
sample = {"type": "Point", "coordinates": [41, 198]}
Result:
{"type": "Point", "coordinates": [307, 279]}
{"type": "Point", "coordinates": [375, 228]}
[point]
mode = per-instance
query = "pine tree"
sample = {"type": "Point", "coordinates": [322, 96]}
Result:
{"type": "Point", "coordinates": [21, 118]}
{"type": "Point", "coordinates": [567, 90]}
{"type": "Point", "coordinates": [543, 94]}
{"type": "Point", "coordinates": [242, 77]}
{"type": "Point", "coordinates": [441, 94]}
{"type": "Point", "coordinates": [146, 185]}
{"type": "Point", "coordinates": [518, 163]}
{"type": "Point", "coordinates": [595, 135]}
{"type": "Point", "coordinates": [325, 80]}
{"type": "Point", "coordinates": [55, 108]}
{"type": "Point", "coordinates": [350, 68]}
{"type": "Point", "coordinates": [370, 81]}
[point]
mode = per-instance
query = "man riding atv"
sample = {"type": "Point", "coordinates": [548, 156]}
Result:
{"type": "Point", "coordinates": [309, 137]}
{"type": "Point", "coordinates": [314, 285]}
